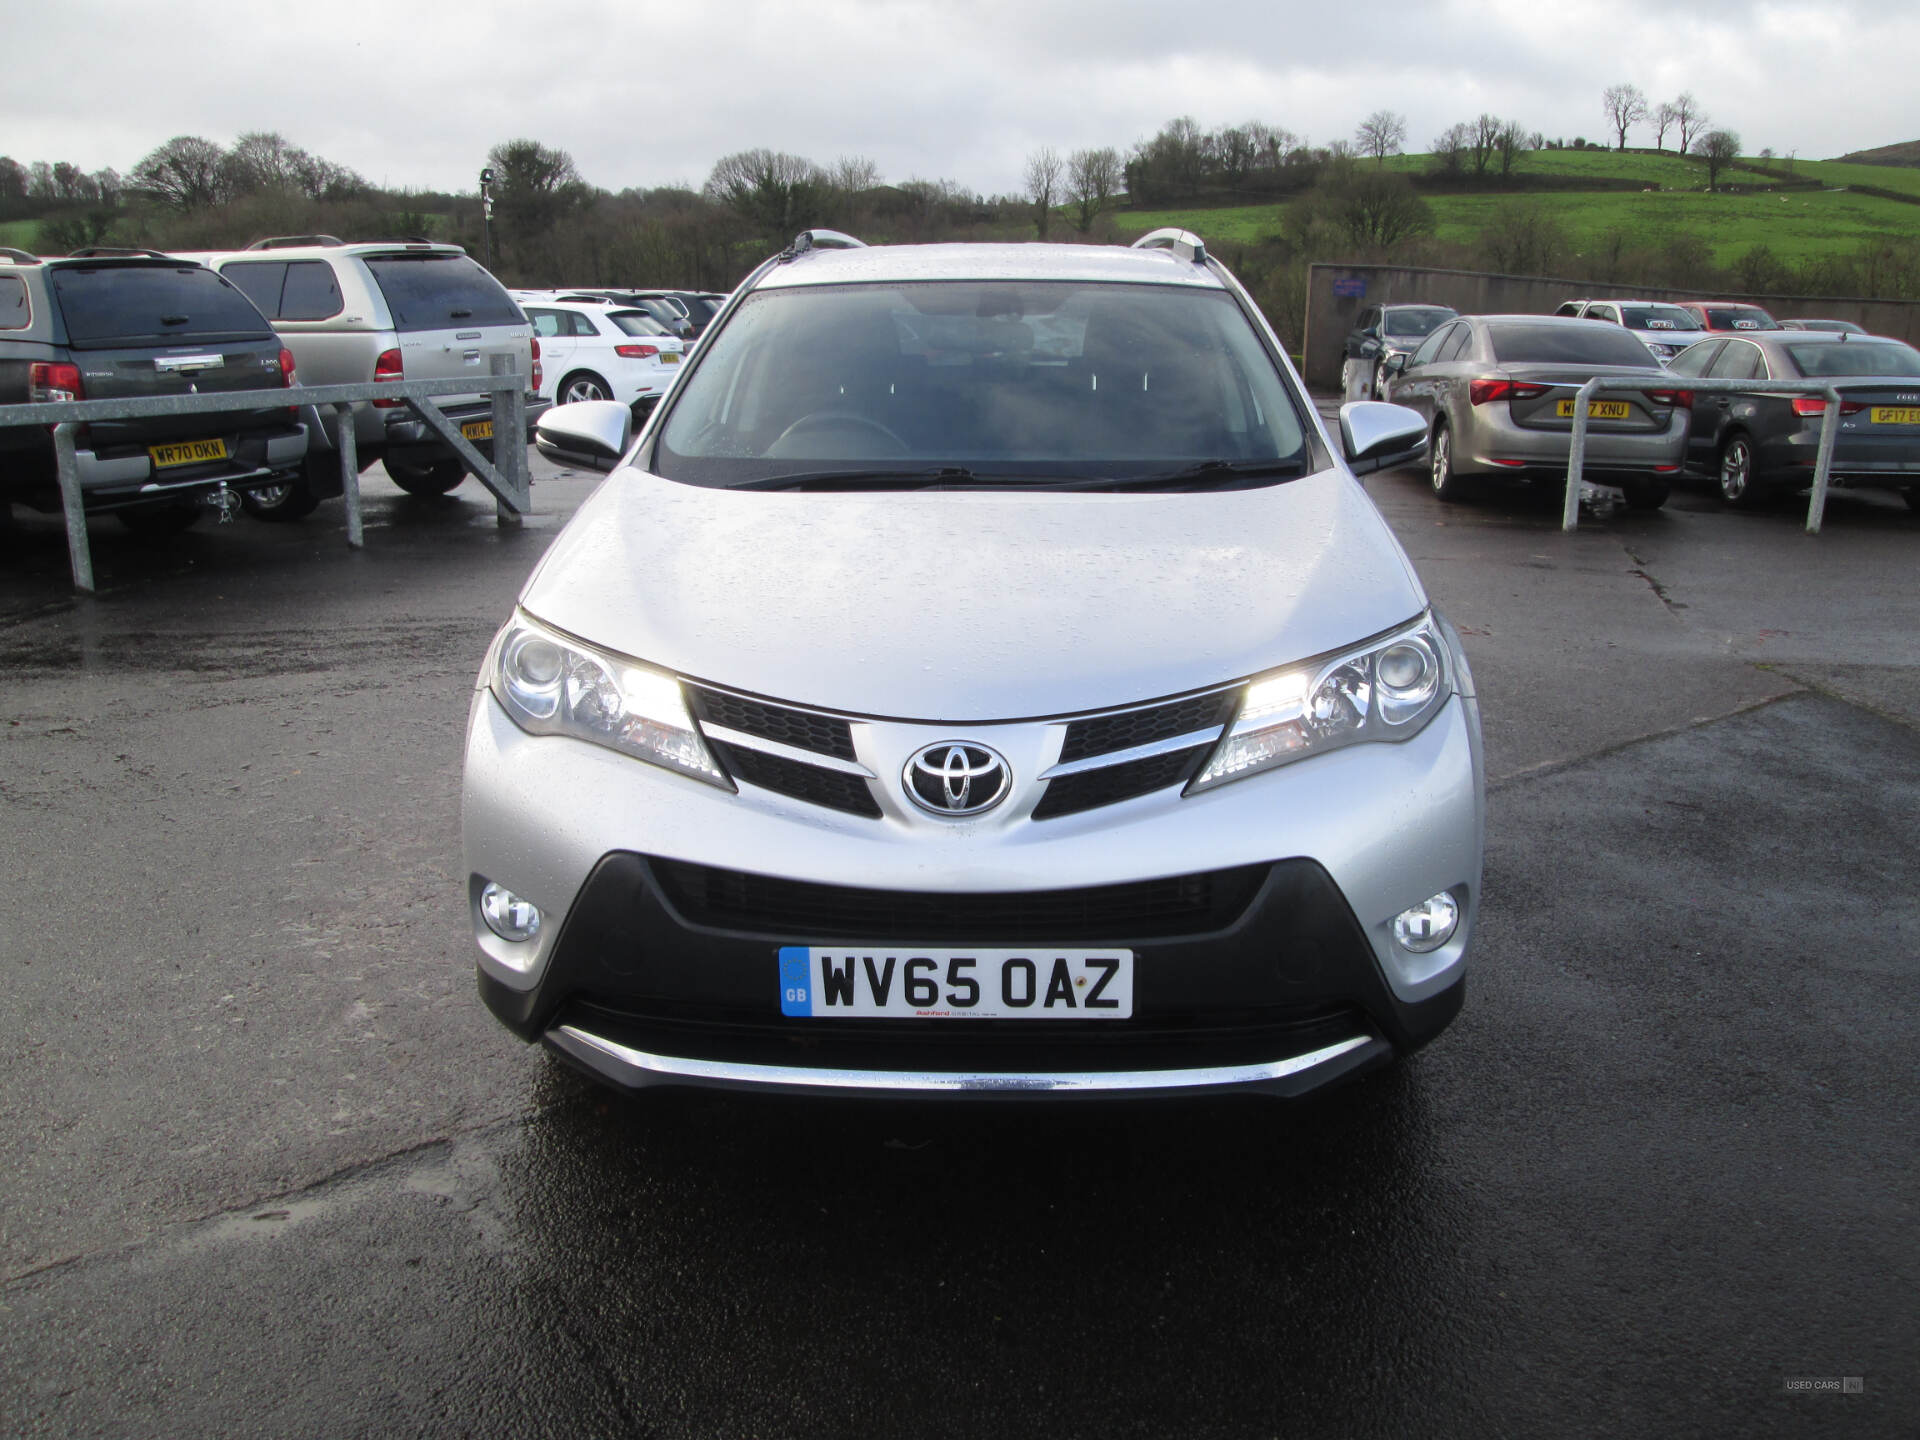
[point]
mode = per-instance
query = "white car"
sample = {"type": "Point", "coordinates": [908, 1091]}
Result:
{"type": "Point", "coordinates": [597, 350]}
{"type": "Point", "coordinates": [1665, 329]}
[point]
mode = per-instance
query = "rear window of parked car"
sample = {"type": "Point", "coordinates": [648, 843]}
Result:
{"type": "Point", "coordinates": [1657, 317]}
{"type": "Point", "coordinates": [145, 304]}
{"type": "Point", "coordinates": [1413, 323]}
{"type": "Point", "coordinates": [1568, 344]}
{"type": "Point", "coordinates": [1739, 317]}
{"type": "Point", "coordinates": [297, 290]}
{"type": "Point", "coordinates": [637, 322]}
{"type": "Point", "coordinates": [441, 292]}
{"type": "Point", "coordinates": [13, 303]}
{"type": "Point", "coordinates": [1849, 357]}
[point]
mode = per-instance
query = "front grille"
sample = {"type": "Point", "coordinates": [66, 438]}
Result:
{"type": "Point", "coordinates": [1110, 784]}
{"type": "Point", "coordinates": [795, 909]}
{"type": "Point", "coordinates": [834, 789]}
{"type": "Point", "coordinates": [1104, 734]}
{"type": "Point", "coordinates": [802, 729]}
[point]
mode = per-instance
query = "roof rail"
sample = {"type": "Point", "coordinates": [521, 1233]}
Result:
{"type": "Point", "coordinates": [1183, 243]}
{"type": "Point", "coordinates": [18, 257]}
{"type": "Point", "coordinates": [101, 252]}
{"type": "Point", "coordinates": [820, 240]}
{"type": "Point", "coordinates": [288, 242]}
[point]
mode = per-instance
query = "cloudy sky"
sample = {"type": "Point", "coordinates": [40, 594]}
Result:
{"type": "Point", "coordinates": [643, 93]}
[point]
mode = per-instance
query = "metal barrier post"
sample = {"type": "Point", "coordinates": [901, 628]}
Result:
{"type": "Point", "coordinates": [510, 446]}
{"type": "Point", "coordinates": [1577, 454]}
{"type": "Point", "coordinates": [79, 550]}
{"type": "Point", "coordinates": [349, 447]}
{"type": "Point", "coordinates": [1829, 429]}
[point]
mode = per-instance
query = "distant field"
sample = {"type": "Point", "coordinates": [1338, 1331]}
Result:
{"type": "Point", "coordinates": [1836, 172]}
{"type": "Point", "coordinates": [1668, 170]}
{"type": "Point", "coordinates": [20, 234]}
{"type": "Point", "coordinates": [1795, 224]}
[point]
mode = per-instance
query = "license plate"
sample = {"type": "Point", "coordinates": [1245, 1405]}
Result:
{"type": "Point", "coordinates": [867, 982]}
{"type": "Point", "coordinates": [187, 452]}
{"type": "Point", "coordinates": [477, 429]}
{"type": "Point", "coordinates": [669, 357]}
{"type": "Point", "coordinates": [1596, 410]}
{"type": "Point", "coordinates": [1896, 415]}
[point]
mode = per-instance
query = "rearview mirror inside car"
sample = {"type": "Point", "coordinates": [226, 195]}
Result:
{"type": "Point", "coordinates": [590, 434]}
{"type": "Point", "coordinates": [1378, 436]}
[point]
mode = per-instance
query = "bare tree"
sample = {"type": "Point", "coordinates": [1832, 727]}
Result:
{"type": "Point", "coordinates": [1093, 178]}
{"type": "Point", "coordinates": [1381, 134]}
{"type": "Point", "coordinates": [1450, 149]}
{"type": "Point", "coordinates": [1271, 143]}
{"type": "Point", "coordinates": [851, 174]}
{"type": "Point", "coordinates": [185, 174]}
{"type": "Point", "coordinates": [1234, 153]}
{"type": "Point", "coordinates": [1691, 119]}
{"type": "Point", "coordinates": [1044, 172]}
{"type": "Point", "coordinates": [1509, 144]}
{"type": "Point", "coordinates": [1379, 209]}
{"type": "Point", "coordinates": [1719, 148]}
{"type": "Point", "coordinates": [1483, 142]}
{"type": "Point", "coordinates": [1665, 114]}
{"type": "Point", "coordinates": [13, 179]}
{"type": "Point", "coordinates": [1624, 105]}
{"type": "Point", "coordinates": [779, 194]}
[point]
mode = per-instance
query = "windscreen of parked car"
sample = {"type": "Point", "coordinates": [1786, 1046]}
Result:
{"type": "Point", "coordinates": [441, 292]}
{"type": "Point", "coordinates": [1595, 344]}
{"type": "Point", "coordinates": [1412, 324]}
{"type": "Point", "coordinates": [1029, 381]}
{"type": "Point", "coordinates": [1657, 317]}
{"type": "Point", "coordinates": [1855, 357]}
{"type": "Point", "coordinates": [108, 305]}
{"type": "Point", "coordinates": [637, 322]}
{"type": "Point", "coordinates": [1739, 317]}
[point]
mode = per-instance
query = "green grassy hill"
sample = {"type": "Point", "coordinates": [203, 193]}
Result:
{"type": "Point", "coordinates": [20, 234]}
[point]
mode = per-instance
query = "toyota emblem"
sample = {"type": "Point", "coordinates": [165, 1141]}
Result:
{"type": "Point", "coordinates": [956, 778]}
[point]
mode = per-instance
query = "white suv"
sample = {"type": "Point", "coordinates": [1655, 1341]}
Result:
{"type": "Point", "coordinates": [1019, 695]}
{"type": "Point", "coordinates": [599, 350]}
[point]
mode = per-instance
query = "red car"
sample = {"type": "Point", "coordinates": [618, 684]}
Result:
{"type": "Point", "coordinates": [1724, 315]}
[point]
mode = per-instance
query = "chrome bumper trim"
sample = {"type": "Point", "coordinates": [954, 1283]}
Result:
{"type": "Point", "coordinates": [639, 1067]}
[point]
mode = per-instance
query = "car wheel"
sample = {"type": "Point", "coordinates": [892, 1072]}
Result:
{"type": "Point", "coordinates": [1737, 485]}
{"type": "Point", "coordinates": [159, 521]}
{"type": "Point", "coordinates": [1379, 382]}
{"type": "Point", "coordinates": [1447, 485]}
{"type": "Point", "coordinates": [1649, 494]}
{"type": "Point", "coordinates": [1350, 380]}
{"type": "Point", "coordinates": [292, 499]}
{"type": "Point", "coordinates": [430, 477]}
{"type": "Point", "coordinates": [585, 385]}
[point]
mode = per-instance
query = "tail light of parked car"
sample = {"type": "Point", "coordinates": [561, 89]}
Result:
{"type": "Point", "coordinates": [1817, 405]}
{"type": "Point", "coordinates": [388, 367]}
{"type": "Point", "coordinates": [637, 352]}
{"type": "Point", "coordinates": [1679, 399]}
{"type": "Point", "coordinates": [1483, 392]}
{"type": "Point", "coordinates": [539, 374]}
{"type": "Point", "coordinates": [48, 383]}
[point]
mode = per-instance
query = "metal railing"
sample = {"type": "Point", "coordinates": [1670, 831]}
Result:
{"type": "Point", "coordinates": [1617, 384]}
{"type": "Point", "coordinates": [506, 475]}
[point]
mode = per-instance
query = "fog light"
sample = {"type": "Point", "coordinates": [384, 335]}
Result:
{"type": "Point", "coordinates": [1428, 925]}
{"type": "Point", "coordinates": [510, 917]}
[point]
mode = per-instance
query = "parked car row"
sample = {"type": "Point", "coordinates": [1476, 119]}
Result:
{"type": "Point", "coordinates": [1498, 393]}
{"type": "Point", "coordinates": [597, 349]}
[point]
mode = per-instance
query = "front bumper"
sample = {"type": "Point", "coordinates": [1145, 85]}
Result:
{"type": "Point", "coordinates": [1297, 983]}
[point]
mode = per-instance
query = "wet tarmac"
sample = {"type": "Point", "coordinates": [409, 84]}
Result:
{"type": "Point", "coordinates": [268, 1168]}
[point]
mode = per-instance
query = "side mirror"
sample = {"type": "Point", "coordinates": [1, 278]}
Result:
{"type": "Point", "coordinates": [1378, 436]}
{"type": "Point", "coordinates": [589, 435]}
{"type": "Point", "coordinates": [1369, 347]}
{"type": "Point", "coordinates": [1395, 363]}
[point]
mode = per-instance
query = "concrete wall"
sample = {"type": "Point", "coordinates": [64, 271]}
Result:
{"type": "Point", "coordinates": [1337, 293]}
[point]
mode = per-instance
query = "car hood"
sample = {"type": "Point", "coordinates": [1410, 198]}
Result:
{"type": "Point", "coordinates": [968, 606]}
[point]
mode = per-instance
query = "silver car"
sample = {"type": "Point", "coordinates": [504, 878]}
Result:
{"type": "Point", "coordinates": [1020, 695]}
{"type": "Point", "coordinates": [1498, 393]}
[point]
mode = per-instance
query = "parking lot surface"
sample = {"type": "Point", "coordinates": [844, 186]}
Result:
{"type": "Point", "coordinates": [267, 1167]}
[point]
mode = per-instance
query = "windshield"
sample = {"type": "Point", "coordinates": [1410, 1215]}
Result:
{"type": "Point", "coordinates": [637, 322]}
{"type": "Point", "coordinates": [1739, 317]}
{"type": "Point", "coordinates": [1030, 381]}
{"type": "Point", "coordinates": [1657, 317]}
{"type": "Point", "coordinates": [1588, 343]}
{"type": "Point", "coordinates": [1412, 324]}
{"type": "Point", "coordinates": [141, 304]}
{"type": "Point", "coordinates": [1850, 357]}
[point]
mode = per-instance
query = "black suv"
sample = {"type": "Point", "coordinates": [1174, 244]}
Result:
{"type": "Point", "coordinates": [117, 324]}
{"type": "Point", "coordinates": [1381, 332]}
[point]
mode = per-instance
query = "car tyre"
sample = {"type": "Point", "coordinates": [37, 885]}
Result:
{"type": "Point", "coordinates": [156, 522]}
{"type": "Point", "coordinates": [1648, 494]}
{"type": "Point", "coordinates": [425, 478]}
{"type": "Point", "coordinates": [1448, 485]}
{"type": "Point", "coordinates": [292, 499]}
{"type": "Point", "coordinates": [1379, 382]}
{"type": "Point", "coordinates": [582, 385]}
{"type": "Point", "coordinates": [1735, 479]}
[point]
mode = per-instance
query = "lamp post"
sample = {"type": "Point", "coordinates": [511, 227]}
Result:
{"type": "Point", "coordinates": [486, 217]}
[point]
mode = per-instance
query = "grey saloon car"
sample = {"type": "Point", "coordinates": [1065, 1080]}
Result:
{"type": "Point", "coordinates": [1019, 696]}
{"type": "Point", "coordinates": [1498, 393]}
{"type": "Point", "coordinates": [1754, 445]}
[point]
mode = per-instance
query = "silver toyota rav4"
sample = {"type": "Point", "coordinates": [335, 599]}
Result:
{"type": "Point", "coordinates": [983, 674]}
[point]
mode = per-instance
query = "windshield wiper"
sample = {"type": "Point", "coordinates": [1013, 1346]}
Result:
{"type": "Point", "coordinates": [932, 478]}
{"type": "Point", "coordinates": [1203, 471]}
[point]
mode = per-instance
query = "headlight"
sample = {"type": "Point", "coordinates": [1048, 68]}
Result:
{"type": "Point", "coordinates": [1387, 691]}
{"type": "Point", "coordinates": [553, 685]}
